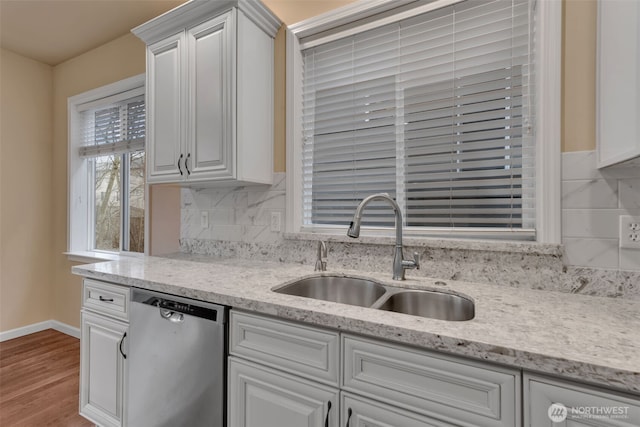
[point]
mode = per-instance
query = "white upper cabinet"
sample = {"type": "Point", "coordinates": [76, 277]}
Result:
{"type": "Point", "coordinates": [618, 82]}
{"type": "Point", "coordinates": [210, 93]}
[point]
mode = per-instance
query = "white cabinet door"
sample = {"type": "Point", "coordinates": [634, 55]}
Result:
{"type": "Point", "coordinates": [555, 403]}
{"type": "Point", "coordinates": [165, 159]}
{"type": "Point", "coordinates": [362, 412]}
{"type": "Point", "coordinates": [102, 370]}
{"type": "Point", "coordinates": [211, 46]}
{"type": "Point", "coordinates": [263, 397]}
{"type": "Point", "coordinates": [618, 82]}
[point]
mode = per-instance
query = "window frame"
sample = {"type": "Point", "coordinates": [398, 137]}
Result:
{"type": "Point", "coordinates": [357, 17]}
{"type": "Point", "coordinates": [80, 198]}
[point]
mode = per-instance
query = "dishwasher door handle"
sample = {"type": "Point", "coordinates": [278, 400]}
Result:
{"type": "Point", "coordinates": [171, 316]}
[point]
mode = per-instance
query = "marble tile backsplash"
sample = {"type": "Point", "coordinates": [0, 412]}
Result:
{"type": "Point", "coordinates": [236, 214]}
{"type": "Point", "coordinates": [592, 202]}
{"type": "Point", "coordinates": [239, 226]}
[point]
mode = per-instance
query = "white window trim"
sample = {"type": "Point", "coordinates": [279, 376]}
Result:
{"type": "Point", "coordinates": [78, 195]}
{"type": "Point", "coordinates": [548, 129]}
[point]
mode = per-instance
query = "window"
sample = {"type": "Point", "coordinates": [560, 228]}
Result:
{"type": "Point", "coordinates": [107, 169]}
{"type": "Point", "coordinates": [434, 104]}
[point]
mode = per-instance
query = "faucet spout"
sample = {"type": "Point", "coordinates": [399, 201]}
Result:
{"type": "Point", "coordinates": [399, 263]}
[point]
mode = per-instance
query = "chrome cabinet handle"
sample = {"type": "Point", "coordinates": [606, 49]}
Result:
{"type": "Point", "coordinates": [103, 299]}
{"type": "Point", "coordinates": [349, 413]}
{"type": "Point", "coordinates": [179, 168]}
{"type": "Point", "coordinates": [120, 345]}
{"type": "Point", "coordinates": [186, 165]}
{"type": "Point", "coordinates": [326, 420]}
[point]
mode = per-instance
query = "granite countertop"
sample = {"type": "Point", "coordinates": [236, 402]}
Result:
{"type": "Point", "coordinates": [593, 339]}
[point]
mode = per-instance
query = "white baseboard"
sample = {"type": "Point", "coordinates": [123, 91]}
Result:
{"type": "Point", "coordinates": [65, 329]}
{"type": "Point", "coordinates": [37, 327]}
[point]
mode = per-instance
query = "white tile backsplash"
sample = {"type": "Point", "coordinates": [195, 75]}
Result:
{"type": "Point", "coordinates": [590, 194]}
{"type": "Point", "coordinates": [581, 165]}
{"type": "Point", "coordinates": [629, 192]}
{"type": "Point", "coordinates": [236, 214]}
{"type": "Point", "coordinates": [596, 223]}
{"type": "Point", "coordinates": [595, 253]}
{"type": "Point", "coordinates": [630, 259]}
{"type": "Point", "coordinates": [592, 202]}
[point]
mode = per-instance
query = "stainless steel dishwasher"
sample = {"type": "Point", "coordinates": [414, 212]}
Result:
{"type": "Point", "coordinates": [177, 358]}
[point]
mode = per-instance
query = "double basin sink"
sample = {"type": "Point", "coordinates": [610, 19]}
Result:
{"type": "Point", "coordinates": [368, 293]}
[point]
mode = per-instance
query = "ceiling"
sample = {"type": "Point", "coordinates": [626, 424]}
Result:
{"type": "Point", "coordinates": [53, 31]}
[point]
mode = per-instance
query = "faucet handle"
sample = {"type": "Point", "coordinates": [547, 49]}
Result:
{"type": "Point", "coordinates": [321, 259]}
{"type": "Point", "coordinates": [409, 264]}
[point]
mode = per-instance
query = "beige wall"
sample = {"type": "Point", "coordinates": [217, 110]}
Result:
{"type": "Point", "coordinates": [25, 189]}
{"type": "Point", "coordinates": [292, 11]}
{"type": "Point", "coordinates": [279, 101]}
{"type": "Point", "coordinates": [164, 232]}
{"type": "Point", "coordinates": [121, 58]}
{"type": "Point", "coordinates": [579, 75]}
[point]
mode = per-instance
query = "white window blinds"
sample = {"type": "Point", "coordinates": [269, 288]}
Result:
{"type": "Point", "coordinates": [436, 110]}
{"type": "Point", "coordinates": [113, 125]}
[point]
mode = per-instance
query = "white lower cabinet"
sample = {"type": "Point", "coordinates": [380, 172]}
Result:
{"type": "Point", "coordinates": [554, 403]}
{"type": "Point", "coordinates": [358, 411]}
{"type": "Point", "coordinates": [102, 369]}
{"type": "Point", "coordinates": [281, 374]}
{"type": "Point", "coordinates": [287, 374]}
{"type": "Point", "coordinates": [458, 391]}
{"type": "Point", "coordinates": [264, 397]}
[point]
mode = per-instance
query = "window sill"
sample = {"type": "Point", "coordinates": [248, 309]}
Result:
{"type": "Point", "coordinates": [532, 248]}
{"type": "Point", "coordinates": [92, 256]}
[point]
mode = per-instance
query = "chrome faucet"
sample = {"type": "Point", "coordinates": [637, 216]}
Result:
{"type": "Point", "coordinates": [321, 260]}
{"type": "Point", "coordinates": [399, 263]}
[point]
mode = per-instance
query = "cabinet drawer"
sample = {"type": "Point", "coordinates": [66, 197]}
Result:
{"type": "Point", "coordinates": [307, 351]}
{"type": "Point", "coordinates": [106, 298]}
{"type": "Point", "coordinates": [362, 412]}
{"type": "Point", "coordinates": [583, 405]}
{"type": "Point", "coordinates": [456, 391]}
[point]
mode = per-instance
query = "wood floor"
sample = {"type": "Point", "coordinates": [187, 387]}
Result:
{"type": "Point", "coordinates": [39, 376]}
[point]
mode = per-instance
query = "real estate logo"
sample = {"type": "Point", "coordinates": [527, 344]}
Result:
{"type": "Point", "coordinates": [557, 412]}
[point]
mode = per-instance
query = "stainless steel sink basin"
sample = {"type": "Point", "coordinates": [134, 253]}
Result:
{"type": "Point", "coordinates": [367, 293]}
{"type": "Point", "coordinates": [346, 290]}
{"type": "Point", "coordinates": [435, 305]}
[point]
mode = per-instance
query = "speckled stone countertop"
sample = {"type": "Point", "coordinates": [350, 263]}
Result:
{"type": "Point", "coordinates": [592, 339]}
